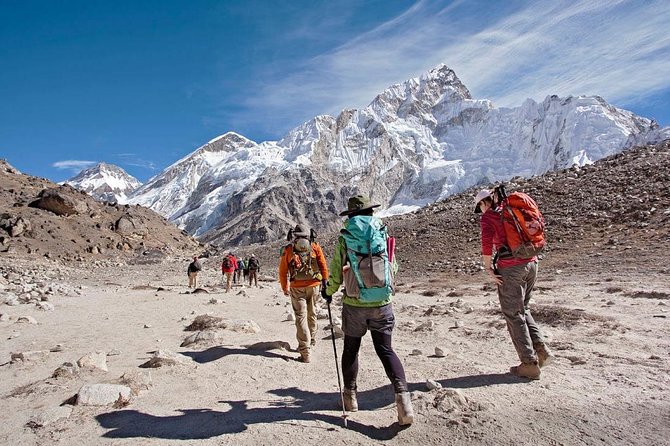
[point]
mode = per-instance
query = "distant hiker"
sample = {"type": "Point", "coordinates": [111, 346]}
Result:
{"type": "Point", "coordinates": [246, 269]}
{"type": "Point", "coordinates": [302, 268]}
{"type": "Point", "coordinates": [193, 268]}
{"type": "Point", "coordinates": [228, 269]}
{"type": "Point", "coordinates": [515, 279]}
{"type": "Point", "coordinates": [239, 269]}
{"type": "Point", "coordinates": [363, 261]}
{"type": "Point", "coordinates": [254, 268]}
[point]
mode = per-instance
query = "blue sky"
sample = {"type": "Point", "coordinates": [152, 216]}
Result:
{"type": "Point", "coordinates": [141, 84]}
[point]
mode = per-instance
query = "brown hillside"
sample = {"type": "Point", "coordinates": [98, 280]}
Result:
{"type": "Point", "coordinates": [39, 219]}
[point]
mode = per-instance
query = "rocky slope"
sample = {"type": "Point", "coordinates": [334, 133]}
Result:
{"type": "Point", "coordinates": [40, 219]}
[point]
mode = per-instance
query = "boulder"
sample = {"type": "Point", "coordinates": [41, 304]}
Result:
{"type": "Point", "coordinates": [53, 200]}
{"type": "Point", "coordinates": [14, 225]}
{"type": "Point", "coordinates": [129, 225]}
{"type": "Point", "coordinates": [103, 394]}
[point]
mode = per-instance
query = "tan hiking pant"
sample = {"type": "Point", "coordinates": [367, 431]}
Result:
{"type": "Point", "coordinates": [303, 300]}
{"type": "Point", "coordinates": [192, 279]}
{"type": "Point", "coordinates": [229, 280]}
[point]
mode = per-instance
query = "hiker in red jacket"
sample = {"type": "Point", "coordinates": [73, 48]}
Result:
{"type": "Point", "coordinates": [515, 279]}
{"type": "Point", "coordinates": [228, 266]}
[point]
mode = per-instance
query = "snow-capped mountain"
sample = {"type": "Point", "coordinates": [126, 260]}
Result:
{"type": "Point", "coordinates": [417, 142]}
{"type": "Point", "coordinates": [105, 182]}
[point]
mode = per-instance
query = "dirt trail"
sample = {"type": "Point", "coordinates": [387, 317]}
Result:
{"type": "Point", "coordinates": [609, 385]}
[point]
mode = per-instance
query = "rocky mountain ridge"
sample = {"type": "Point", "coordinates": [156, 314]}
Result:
{"type": "Point", "coordinates": [417, 142]}
{"type": "Point", "coordinates": [611, 212]}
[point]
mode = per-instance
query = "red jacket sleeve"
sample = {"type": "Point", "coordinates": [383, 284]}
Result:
{"type": "Point", "coordinates": [488, 233]}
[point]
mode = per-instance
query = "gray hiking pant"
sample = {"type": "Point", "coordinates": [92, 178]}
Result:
{"type": "Point", "coordinates": [514, 294]}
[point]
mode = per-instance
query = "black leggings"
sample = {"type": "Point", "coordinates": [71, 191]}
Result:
{"type": "Point", "coordinates": [392, 364]}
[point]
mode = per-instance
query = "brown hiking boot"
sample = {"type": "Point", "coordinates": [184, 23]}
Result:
{"type": "Point", "coordinates": [544, 355]}
{"type": "Point", "coordinates": [350, 400]}
{"type": "Point", "coordinates": [403, 402]}
{"type": "Point", "coordinates": [304, 357]}
{"type": "Point", "coordinates": [528, 370]}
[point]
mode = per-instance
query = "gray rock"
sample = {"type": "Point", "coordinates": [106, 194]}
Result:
{"type": "Point", "coordinates": [137, 380]}
{"type": "Point", "coordinates": [93, 361]}
{"type": "Point", "coordinates": [103, 394]}
{"type": "Point", "coordinates": [67, 370]}
{"type": "Point", "coordinates": [26, 320]}
{"type": "Point", "coordinates": [166, 358]}
{"type": "Point", "coordinates": [426, 326]}
{"type": "Point", "coordinates": [8, 298]}
{"type": "Point", "coordinates": [129, 224]}
{"type": "Point", "coordinates": [45, 306]}
{"type": "Point", "coordinates": [432, 385]}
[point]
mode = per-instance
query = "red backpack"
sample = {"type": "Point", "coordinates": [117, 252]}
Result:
{"type": "Point", "coordinates": [523, 223]}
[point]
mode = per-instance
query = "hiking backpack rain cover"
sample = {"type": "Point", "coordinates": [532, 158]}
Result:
{"type": "Point", "coordinates": [367, 271]}
{"type": "Point", "coordinates": [524, 225]}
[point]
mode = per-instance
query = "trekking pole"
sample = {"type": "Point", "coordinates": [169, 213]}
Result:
{"type": "Point", "coordinates": [337, 366]}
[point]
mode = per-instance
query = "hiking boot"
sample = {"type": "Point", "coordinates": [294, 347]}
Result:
{"type": "Point", "coordinates": [544, 355]}
{"type": "Point", "coordinates": [350, 400]}
{"type": "Point", "coordinates": [528, 370]}
{"type": "Point", "coordinates": [403, 402]}
{"type": "Point", "coordinates": [304, 357]}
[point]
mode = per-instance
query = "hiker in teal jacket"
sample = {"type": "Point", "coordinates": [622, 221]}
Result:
{"type": "Point", "coordinates": [372, 309]}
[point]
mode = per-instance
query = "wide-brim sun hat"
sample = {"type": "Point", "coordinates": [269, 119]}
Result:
{"type": "Point", "coordinates": [358, 203]}
{"type": "Point", "coordinates": [484, 193]}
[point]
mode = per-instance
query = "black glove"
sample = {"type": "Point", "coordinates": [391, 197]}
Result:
{"type": "Point", "coordinates": [325, 295]}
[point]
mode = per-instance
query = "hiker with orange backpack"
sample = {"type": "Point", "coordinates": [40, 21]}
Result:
{"type": "Point", "coordinates": [302, 268]}
{"type": "Point", "coordinates": [513, 227]}
{"type": "Point", "coordinates": [363, 261]}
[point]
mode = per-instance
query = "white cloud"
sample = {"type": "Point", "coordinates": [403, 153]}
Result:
{"type": "Point", "coordinates": [618, 49]}
{"type": "Point", "coordinates": [73, 165]}
{"type": "Point", "coordinates": [132, 159]}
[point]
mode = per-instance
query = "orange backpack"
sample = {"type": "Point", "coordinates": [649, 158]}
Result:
{"type": "Point", "coordinates": [523, 223]}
